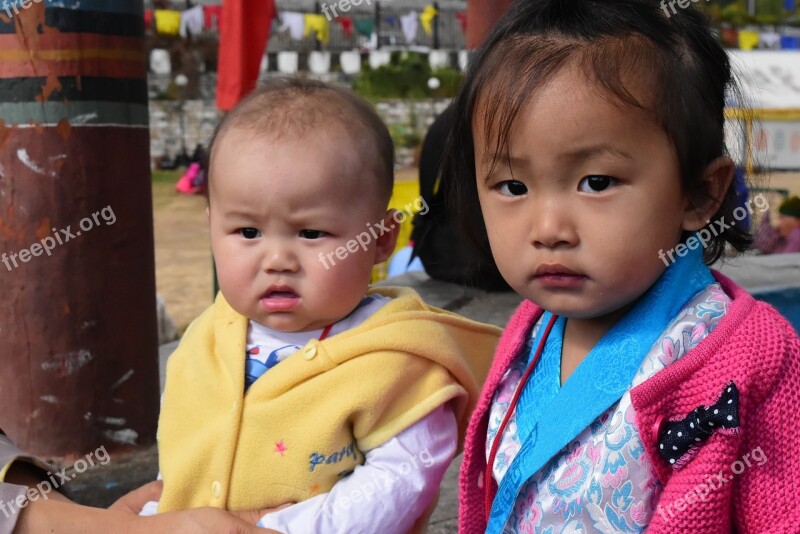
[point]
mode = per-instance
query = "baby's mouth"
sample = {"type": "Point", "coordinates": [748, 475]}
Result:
{"type": "Point", "coordinates": [280, 295]}
{"type": "Point", "coordinates": [279, 299]}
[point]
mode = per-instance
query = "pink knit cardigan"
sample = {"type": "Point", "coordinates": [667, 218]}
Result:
{"type": "Point", "coordinates": [752, 345]}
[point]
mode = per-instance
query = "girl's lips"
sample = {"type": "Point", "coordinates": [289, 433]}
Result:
{"type": "Point", "coordinates": [554, 269]}
{"type": "Point", "coordinates": [555, 275]}
{"type": "Point", "coordinates": [562, 280]}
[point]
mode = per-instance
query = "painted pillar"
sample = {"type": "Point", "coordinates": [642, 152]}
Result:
{"type": "Point", "coordinates": [482, 15]}
{"type": "Point", "coordinates": [78, 334]}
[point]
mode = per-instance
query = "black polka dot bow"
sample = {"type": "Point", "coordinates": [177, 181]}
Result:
{"type": "Point", "coordinates": [678, 437]}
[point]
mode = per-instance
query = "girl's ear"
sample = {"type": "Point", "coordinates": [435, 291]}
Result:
{"type": "Point", "coordinates": [388, 239]}
{"type": "Point", "coordinates": [716, 182]}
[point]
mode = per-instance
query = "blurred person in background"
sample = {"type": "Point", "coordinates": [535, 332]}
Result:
{"type": "Point", "coordinates": [784, 236]}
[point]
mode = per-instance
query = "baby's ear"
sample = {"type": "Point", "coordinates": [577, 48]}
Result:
{"type": "Point", "coordinates": [387, 241]}
{"type": "Point", "coordinates": [716, 182]}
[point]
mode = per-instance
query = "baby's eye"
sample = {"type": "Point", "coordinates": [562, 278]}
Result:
{"type": "Point", "coordinates": [512, 188]}
{"type": "Point", "coordinates": [595, 184]}
{"type": "Point", "coordinates": [249, 233]}
{"type": "Point", "coordinates": [312, 234]}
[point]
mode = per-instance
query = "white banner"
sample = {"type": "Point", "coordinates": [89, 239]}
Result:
{"type": "Point", "coordinates": [769, 79]}
{"type": "Point", "coordinates": [777, 144]}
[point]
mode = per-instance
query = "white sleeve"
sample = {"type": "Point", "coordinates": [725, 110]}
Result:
{"type": "Point", "coordinates": [389, 492]}
{"type": "Point", "coordinates": [151, 507]}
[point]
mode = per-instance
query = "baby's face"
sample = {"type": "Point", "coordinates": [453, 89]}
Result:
{"type": "Point", "coordinates": [276, 208]}
{"type": "Point", "coordinates": [591, 193]}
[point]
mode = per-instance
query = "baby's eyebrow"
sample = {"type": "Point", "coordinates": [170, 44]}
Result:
{"type": "Point", "coordinates": [239, 214]}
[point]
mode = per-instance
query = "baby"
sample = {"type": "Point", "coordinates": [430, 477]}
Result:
{"type": "Point", "coordinates": [300, 384]}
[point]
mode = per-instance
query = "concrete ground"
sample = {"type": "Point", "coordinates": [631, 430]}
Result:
{"type": "Point", "coordinates": [101, 486]}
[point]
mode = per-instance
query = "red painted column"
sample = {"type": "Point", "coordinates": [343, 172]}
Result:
{"type": "Point", "coordinates": [79, 347]}
{"type": "Point", "coordinates": [482, 15]}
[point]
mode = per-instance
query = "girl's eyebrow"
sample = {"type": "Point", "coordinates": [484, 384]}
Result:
{"type": "Point", "coordinates": [595, 150]}
{"type": "Point", "coordinates": [578, 154]}
{"type": "Point", "coordinates": [494, 160]}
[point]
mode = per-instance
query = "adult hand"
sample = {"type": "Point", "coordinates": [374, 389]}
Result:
{"type": "Point", "coordinates": [134, 501]}
{"type": "Point", "coordinates": [254, 516]}
{"type": "Point", "coordinates": [210, 520]}
{"type": "Point", "coordinates": [122, 517]}
{"type": "Point", "coordinates": [198, 520]}
{"type": "Point", "coordinates": [68, 518]}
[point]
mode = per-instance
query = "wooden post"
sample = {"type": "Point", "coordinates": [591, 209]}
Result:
{"type": "Point", "coordinates": [378, 24]}
{"type": "Point", "coordinates": [78, 312]}
{"type": "Point", "coordinates": [482, 15]}
{"type": "Point", "coordinates": [436, 26]}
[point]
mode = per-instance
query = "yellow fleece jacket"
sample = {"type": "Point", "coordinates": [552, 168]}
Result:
{"type": "Point", "coordinates": [303, 426]}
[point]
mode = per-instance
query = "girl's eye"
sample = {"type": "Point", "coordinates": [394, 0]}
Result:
{"type": "Point", "coordinates": [249, 233]}
{"type": "Point", "coordinates": [312, 234]}
{"type": "Point", "coordinates": [512, 188]}
{"type": "Point", "coordinates": [595, 184]}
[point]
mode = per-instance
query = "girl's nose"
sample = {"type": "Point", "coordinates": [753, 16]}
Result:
{"type": "Point", "coordinates": [553, 226]}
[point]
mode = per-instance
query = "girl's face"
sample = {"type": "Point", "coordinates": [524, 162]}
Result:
{"type": "Point", "coordinates": [589, 195]}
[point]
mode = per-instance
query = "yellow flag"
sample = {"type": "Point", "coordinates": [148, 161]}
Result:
{"type": "Point", "coordinates": [168, 21]}
{"type": "Point", "coordinates": [426, 18]}
{"type": "Point", "coordinates": [748, 40]}
{"type": "Point", "coordinates": [319, 25]}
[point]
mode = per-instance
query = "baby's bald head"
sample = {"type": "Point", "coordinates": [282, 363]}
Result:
{"type": "Point", "coordinates": [291, 108]}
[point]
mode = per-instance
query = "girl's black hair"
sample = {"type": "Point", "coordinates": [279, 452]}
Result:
{"type": "Point", "coordinates": [684, 68]}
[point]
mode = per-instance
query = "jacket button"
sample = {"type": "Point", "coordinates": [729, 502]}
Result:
{"type": "Point", "coordinates": [216, 489]}
{"type": "Point", "coordinates": [658, 425]}
{"type": "Point", "coordinates": [310, 352]}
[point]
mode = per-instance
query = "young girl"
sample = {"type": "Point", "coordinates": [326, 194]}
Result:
{"type": "Point", "coordinates": [625, 394]}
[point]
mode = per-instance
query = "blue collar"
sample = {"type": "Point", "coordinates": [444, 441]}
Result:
{"type": "Point", "coordinates": [548, 418]}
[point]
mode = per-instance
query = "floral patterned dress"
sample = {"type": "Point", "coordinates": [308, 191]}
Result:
{"type": "Point", "coordinates": [602, 481]}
